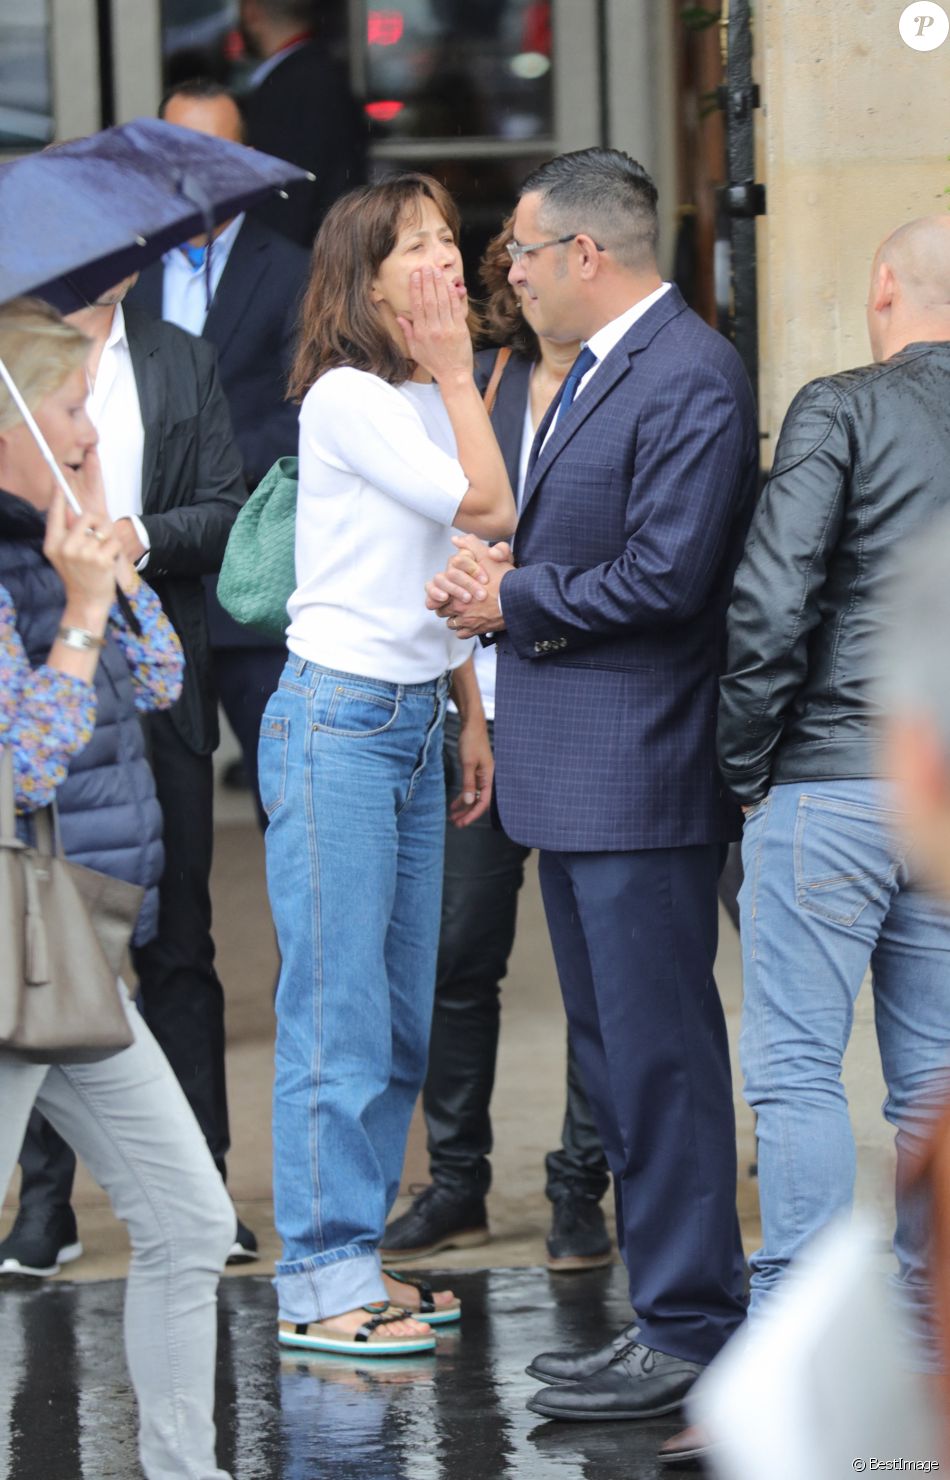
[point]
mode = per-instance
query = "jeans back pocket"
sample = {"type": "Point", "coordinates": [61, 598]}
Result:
{"type": "Point", "coordinates": [844, 858]}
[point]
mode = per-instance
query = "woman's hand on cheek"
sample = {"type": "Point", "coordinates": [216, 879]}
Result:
{"type": "Point", "coordinates": [84, 552]}
{"type": "Point", "coordinates": [437, 335]}
{"type": "Point", "coordinates": [90, 490]}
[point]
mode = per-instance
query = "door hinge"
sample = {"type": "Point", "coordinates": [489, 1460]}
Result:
{"type": "Point", "coordinates": [743, 199]}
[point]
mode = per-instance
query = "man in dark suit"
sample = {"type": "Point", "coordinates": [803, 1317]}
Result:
{"type": "Point", "coordinates": [174, 486]}
{"type": "Point", "coordinates": [300, 108]}
{"type": "Point", "coordinates": [257, 278]}
{"type": "Point", "coordinates": [482, 878]}
{"type": "Point", "coordinates": [610, 639]}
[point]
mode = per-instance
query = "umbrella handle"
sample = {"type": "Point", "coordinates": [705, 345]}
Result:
{"type": "Point", "coordinates": [39, 439]}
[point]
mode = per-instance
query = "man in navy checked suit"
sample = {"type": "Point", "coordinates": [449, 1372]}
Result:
{"type": "Point", "coordinates": [610, 630]}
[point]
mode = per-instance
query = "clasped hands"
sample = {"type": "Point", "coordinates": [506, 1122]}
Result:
{"type": "Point", "coordinates": [466, 593]}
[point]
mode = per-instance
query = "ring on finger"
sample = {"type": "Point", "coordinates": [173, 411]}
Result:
{"type": "Point", "coordinates": [97, 535]}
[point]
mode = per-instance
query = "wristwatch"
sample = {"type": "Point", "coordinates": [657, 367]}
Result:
{"type": "Point", "coordinates": [80, 639]}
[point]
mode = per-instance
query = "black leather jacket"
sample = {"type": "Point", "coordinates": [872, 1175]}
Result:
{"type": "Point", "coordinates": [862, 460]}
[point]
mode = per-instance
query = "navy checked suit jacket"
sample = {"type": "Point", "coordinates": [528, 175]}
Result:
{"type": "Point", "coordinates": [631, 528]}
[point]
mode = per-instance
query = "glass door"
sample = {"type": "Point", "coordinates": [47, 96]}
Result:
{"type": "Point", "coordinates": [476, 92]}
{"type": "Point", "coordinates": [457, 76]}
{"type": "Point", "coordinates": [26, 84]}
{"type": "Point", "coordinates": [49, 72]}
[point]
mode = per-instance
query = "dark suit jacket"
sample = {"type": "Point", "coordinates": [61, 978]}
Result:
{"type": "Point", "coordinates": [192, 489]}
{"type": "Point", "coordinates": [304, 111]}
{"type": "Point", "coordinates": [631, 527]}
{"type": "Point", "coordinates": [252, 323]}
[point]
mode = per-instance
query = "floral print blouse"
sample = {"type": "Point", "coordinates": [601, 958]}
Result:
{"type": "Point", "coordinates": [47, 716]}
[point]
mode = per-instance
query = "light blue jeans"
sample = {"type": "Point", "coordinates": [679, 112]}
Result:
{"type": "Point", "coordinates": [128, 1119]}
{"type": "Point", "coordinates": [352, 780]}
{"type": "Point", "coordinates": [827, 893]}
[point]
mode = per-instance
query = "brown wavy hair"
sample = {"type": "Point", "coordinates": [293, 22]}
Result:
{"type": "Point", "coordinates": [339, 323]}
{"type": "Point", "coordinates": [504, 323]}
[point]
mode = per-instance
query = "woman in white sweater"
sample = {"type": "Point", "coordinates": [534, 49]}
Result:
{"type": "Point", "coordinates": [396, 449]}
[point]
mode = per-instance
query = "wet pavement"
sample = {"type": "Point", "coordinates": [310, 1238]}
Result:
{"type": "Point", "coordinates": [66, 1409]}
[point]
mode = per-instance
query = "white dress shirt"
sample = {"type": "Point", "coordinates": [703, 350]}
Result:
{"type": "Point", "coordinates": [601, 343]}
{"type": "Point", "coordinates": [114, 411]}
{"type": "Point", "coordinates": [184, 290]}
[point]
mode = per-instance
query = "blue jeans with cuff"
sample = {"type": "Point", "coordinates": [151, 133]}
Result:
{"type": "Point", "coordinates": [352, 780]}
{"type": "Point", "coordinates": [827, 894]}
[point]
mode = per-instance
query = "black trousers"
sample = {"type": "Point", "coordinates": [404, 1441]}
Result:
{"type": "Point", "coordinates": [179, 992]}
{"type": "Point", "coordinates": [484, 871]}
{"type": "Point", "coordinates": [245, 678]}
{"type": "Point", "coordinates": [634, 937]}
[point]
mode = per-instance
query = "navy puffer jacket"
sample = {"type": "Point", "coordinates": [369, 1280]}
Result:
{"type": "Point", "coordinates": [110, 819]}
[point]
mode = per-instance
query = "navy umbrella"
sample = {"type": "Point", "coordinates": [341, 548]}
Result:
{"type": "Point", "coordinates": [78, 218]}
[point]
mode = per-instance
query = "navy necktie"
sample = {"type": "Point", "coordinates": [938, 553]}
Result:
{"type": "Point", "coordinates": [585, 361]}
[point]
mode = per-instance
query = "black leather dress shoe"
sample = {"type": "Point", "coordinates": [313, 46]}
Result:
{"type": "Point", "coordinates": [575, 1366]}
{"type": "Point", "coordinates": [439, 1218]}
{"type": "Point", "coordinates": [640, 1383]}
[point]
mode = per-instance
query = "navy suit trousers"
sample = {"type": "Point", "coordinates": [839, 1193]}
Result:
{"type": "Point", "coordinates": [634, 938]}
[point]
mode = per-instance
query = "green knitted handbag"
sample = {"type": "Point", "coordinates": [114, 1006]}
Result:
{"type": "Point", "coordinates": [257, 575]}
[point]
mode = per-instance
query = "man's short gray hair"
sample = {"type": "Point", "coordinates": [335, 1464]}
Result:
{"type": "Point", "coordinates": [917, 646]}
{"type": "Point", "coordinates": [607, 195]}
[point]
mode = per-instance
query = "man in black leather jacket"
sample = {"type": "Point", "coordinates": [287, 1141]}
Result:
{"type": "Point", "coordinates": [862, 461]}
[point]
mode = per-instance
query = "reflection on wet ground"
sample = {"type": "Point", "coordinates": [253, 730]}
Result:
{"type": "Point", "coordinates": [66, 1409]}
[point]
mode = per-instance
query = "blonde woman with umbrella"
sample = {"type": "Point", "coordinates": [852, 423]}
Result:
{"type": "Point", "coordinates": [75, 675]}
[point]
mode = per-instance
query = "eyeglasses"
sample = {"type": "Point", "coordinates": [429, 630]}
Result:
{"type": "Point", "coordinates": [516, 251]}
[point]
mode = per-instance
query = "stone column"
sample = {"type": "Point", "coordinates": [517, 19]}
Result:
{"type": "Point", "coordinates": [639, 52]}
{"type": "Point", "coordinates": [854, 140]}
